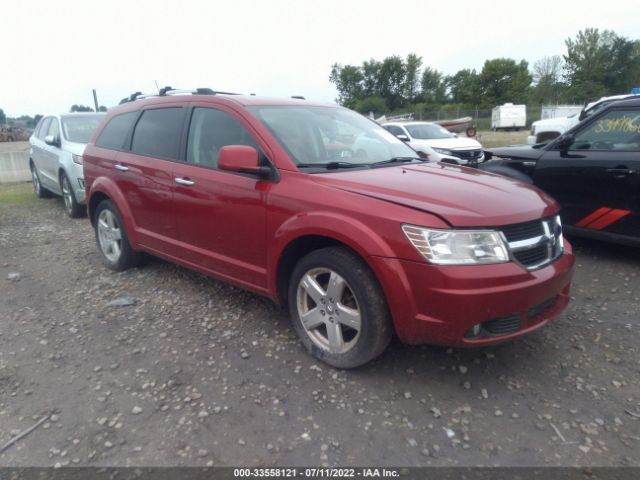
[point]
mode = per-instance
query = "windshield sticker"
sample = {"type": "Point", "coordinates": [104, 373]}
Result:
{"type": "Point", "coordinates": [389, 137]}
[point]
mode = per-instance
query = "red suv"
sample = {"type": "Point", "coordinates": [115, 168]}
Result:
{"type": "Point", "coordinates": [323, 210]}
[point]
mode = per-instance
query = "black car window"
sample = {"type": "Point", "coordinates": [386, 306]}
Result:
{"type": "Point", "coordinates": [158, 132]}
{"type": "Point", "coordinates": [395, 130]}
{"type": "Point", "coordinates": [210, 130]}
{"type": "Point", "coordinates": [44, 128]}
{"type": "Point", "coordinates": [617, 130]}
{"type": "Point", "coordinates": [54, 128]}
{"type": "Point", "coordinates": [115, 132]}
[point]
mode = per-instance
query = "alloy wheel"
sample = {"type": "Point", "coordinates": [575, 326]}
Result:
{"type": "Point", "coordinates": [109, 235]}
{"type": "Point", "coordinates": [328, 310]}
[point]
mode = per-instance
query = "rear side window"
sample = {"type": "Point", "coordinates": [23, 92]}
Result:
{"type": "Point", "coordinates": [158, 133]}
{"type": "Point", "coordinates": [113, 135]}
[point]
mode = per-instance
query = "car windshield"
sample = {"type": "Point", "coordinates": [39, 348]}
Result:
{"type": "Point", "coordinates": [330, 137]}
{"type": "Point", "coordinates": [428, 131]}
{"type": "Point", "coordinates": [79, 129]}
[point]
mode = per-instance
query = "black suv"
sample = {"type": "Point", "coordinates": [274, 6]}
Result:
{"type": "Point", "coordinates": [593, 171]}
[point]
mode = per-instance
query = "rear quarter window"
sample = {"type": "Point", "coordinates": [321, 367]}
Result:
{"type": "Point", "coordinates": [115, 132]}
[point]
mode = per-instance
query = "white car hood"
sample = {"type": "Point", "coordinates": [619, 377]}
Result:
{"type": "Point", "coordinates": [449, 143]}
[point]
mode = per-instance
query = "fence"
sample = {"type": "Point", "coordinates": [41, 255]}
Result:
{"type": "Point", "coordinates": [481, 116]}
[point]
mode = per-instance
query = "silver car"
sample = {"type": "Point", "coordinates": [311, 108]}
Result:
{"type": "Point", "coordinates": [55, 157]}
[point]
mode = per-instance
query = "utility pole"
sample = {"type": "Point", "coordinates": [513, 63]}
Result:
{"type": "Point", "coordinates": [95, 99]}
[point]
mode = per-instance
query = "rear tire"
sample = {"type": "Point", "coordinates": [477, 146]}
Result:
{"type": "Point", "coordinates": [38, 189]}
{"type": "Point", "coordinates": [71, 206]}
{"type": "Point", "coordinates": [112, 239]}
{"type": "Point", "coordinates": [338, 308]}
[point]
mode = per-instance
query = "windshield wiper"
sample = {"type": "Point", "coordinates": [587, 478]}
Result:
{"type": "Point", "coordinates": [333, 165]}
{"type": "Point", "coordinates": [398, 160]}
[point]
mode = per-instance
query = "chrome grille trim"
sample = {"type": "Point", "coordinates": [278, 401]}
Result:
{"type": "Point", "coordinates": [523, 251]}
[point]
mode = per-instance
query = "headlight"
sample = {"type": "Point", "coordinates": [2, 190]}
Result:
{"type": "Point", "coordinates": [443, 151]}
{"type": "Point", "coordinates": [77, 159]}
{"type": "Point", "coordinates": [457, 247]}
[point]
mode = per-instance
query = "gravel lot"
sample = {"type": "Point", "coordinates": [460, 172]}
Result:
{"type": "Point", "coordinates": [197, 372]}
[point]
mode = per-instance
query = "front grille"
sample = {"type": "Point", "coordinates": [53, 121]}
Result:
{"type": "Point", "coordinates": [502, 326]}
{"type": "Point", "coordinates": [532, 256]}
{"type": "Point", "coordinates": [467, 154]}
{"type": "Point", "coordinates": [521, 231]}
{"type": "Point", "coordinates": [536, 243]}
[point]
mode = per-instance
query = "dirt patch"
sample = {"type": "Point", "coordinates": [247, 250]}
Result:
{"type": "Point", "coordinates": [197, 372]}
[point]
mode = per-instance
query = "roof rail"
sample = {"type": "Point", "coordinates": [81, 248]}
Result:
{"type": "Point", "coordinates": [166, 91]}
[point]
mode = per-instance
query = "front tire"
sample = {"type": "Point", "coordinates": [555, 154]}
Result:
{"type": "Point", "coordinates": [338, 308]}
{"type": "Point", "coordinates": [71, 206]}
{"type": "Point", "coordinates": [112, 239]}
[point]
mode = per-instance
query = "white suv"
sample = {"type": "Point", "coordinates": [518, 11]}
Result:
{"type": "Point", "coordinates": [55, 157]}
{"type": "Point", "coordinates": [423, 136]}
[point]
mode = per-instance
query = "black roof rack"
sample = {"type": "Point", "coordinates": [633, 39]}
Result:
{"type": "Point", "coordinates": [165, 91]}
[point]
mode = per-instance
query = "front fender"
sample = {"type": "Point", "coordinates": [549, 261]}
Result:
{"type": "Point", "coordinates": [346, 230]}
{"type": "Point", "coordinates": [106, 186]}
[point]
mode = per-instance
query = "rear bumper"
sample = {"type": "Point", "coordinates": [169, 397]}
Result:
{"type": "Point", "coordinates": [441, 305]}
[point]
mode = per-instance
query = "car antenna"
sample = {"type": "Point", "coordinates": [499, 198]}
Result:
{"type": "Point", "coordinates": [157, 87]}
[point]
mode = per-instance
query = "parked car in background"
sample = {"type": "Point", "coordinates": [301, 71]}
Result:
{"type": "Point", "coordinates": [424, 136]}
{"type": "Point", "coordinates": [55, 157]}
{"type": "Point", "coordinates": [264, 194]}
{"type": "Point", "coordinates": [543, 131]}
{"type": "Point", "coordinates": [593, 171]}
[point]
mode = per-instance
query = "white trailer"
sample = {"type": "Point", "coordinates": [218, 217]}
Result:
{"type": "Point", "coordinates": [508, 116]}
{"type": "Point", "coordinates": [555, 111]}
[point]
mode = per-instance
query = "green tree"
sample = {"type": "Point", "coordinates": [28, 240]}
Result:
{"type": "Point", "coordinates": [600, 63]}
{"type": "Point", "coordinates": [102, 108]}
{"type": "Point", "coordinates": [547, 78]}
{"type": "Point", "coordinates": [348, 81]}
{"type": "Point", "coordinates": [393, 74]}
{"type": "Point", "coordinates": [374, 104]}
{"type": "Point", "coordinates": [3, 117]}
{"type": "Point", "coordinates": [413, 63]}
{"type": "Point", "coordinates": [371, 80]}
{"type": "Point", "coordinates": [464, 87]}
{"type": "Point", "coordinates": [81, 108]}
{"type": "Point", "coordinates": [503, 80]}
{"type": "Point", "coordinates": [434, 86]}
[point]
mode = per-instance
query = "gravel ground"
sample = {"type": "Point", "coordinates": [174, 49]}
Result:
{"type": "Point", "coordinates": [196, 372]}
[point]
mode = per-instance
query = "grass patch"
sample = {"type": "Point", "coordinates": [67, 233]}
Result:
{"type": "Point", "coordinates": [16, 194]}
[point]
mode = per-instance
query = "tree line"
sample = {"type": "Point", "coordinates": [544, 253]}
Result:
{"type": "Point", "coordinates": [596, 63]}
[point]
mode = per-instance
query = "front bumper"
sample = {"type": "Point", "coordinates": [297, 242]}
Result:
{"type": "Point", "coordinates": [442, 304]}
{"type": "Point", "coordinates": [76, 177]}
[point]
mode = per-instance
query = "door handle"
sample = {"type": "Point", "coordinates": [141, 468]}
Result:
{"type": "Point", "coordinates": [620, 172]}
{"type": "Point", "coordinates": [121, 168]}
{"type": "Point", "coordinates": [184, 181]}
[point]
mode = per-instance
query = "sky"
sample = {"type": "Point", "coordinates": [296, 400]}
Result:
{"type": "Point", "coordinates": [54, 53]}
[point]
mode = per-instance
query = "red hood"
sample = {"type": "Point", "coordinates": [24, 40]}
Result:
{"type": "Point", "coordinates": [464, 197]}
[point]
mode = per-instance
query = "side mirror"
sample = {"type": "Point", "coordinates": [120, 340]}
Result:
{"type": "Point", "coordinates": [52, 140]}
{"type": "Point", "coordinates": [241, 159]}
{"type": "Point", "coordinates": [564, 141]}
{"type": "Point", "coordinates": [402, 137]}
